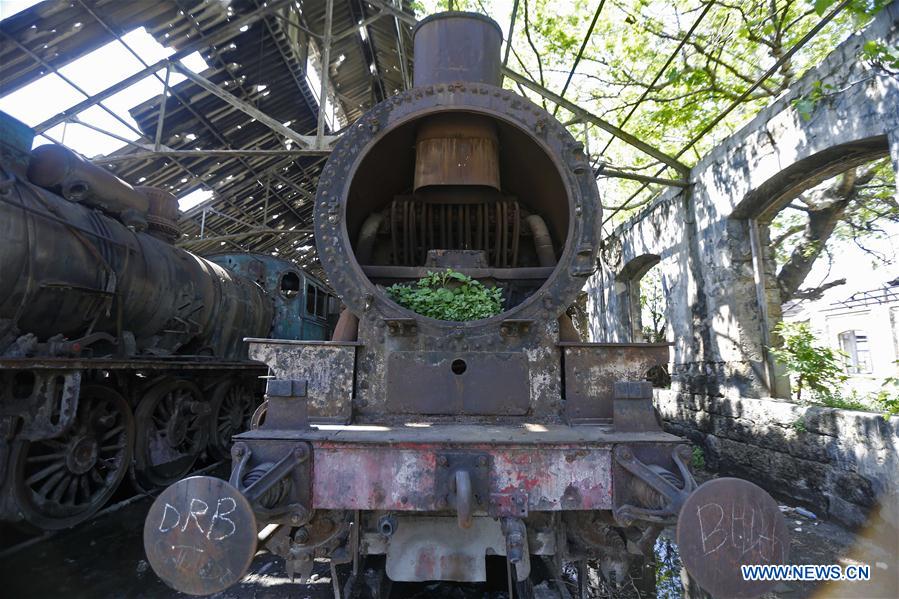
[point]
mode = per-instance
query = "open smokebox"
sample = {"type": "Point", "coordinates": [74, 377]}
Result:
{"type": "Point", "coordinates": [454, 195]}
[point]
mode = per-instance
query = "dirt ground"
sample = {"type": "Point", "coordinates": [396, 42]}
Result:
{"type": "Point", "coordinates": [104, 559]}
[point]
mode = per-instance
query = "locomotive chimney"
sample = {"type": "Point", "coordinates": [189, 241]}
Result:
{"type": "Point", "coordinates": [456, 149]}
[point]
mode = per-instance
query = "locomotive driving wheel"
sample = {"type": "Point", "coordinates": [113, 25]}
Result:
{"type": "Point", "coordinates": [62, 481]}
{"type": "Point", "coordinates": [232, 406]}
{"type": "Point", "coordinates": [172, 428]}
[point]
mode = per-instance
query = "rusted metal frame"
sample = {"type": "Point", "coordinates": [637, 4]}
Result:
{"type": "Point", "coordinates": [353, 29]}
{"type": "Point", "coordinates": [325, 74]}
{"type": "Point", "coordinates": [661, 72]}
{"type": "Point", "coordinates": [601, 123]}
{"type": "Point", "coordinates": [190, 75]}
{"type": "Point", "coordinates": [287, 60]}
{"type": "Point", "coordinates": [216, 38]}
{"type": "Point", "coordinates": [780, 61]}
{"type": "Point", "coordinates": [401, 52]}
{"type": "Point", "coordinates": [162, 105]}
{"type": "Point", "coordinates": [580, 52]}
{"type": "Point", "coordinates": [77, 121]}
{"type": "Point", "coordinates": [239, 104]}
{"type": "Point", "coordinates": [511, 32]}
{"type": "Point", "coordinates": [368, 49]}
{"type": "Point", "coordinates": [74, 85]}
{"type": "Point", "coordinates": [615, 173]}
{"type": "Point", "coordinates": [399, 14]}
{"type": "Point", "coordinates": [150, 155]}
{"type": "Point", "coordinates": [188, 243]}
{"type": "Point", "coordinates": [74, 118]}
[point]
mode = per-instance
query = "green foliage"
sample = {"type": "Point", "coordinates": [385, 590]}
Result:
{"type": "Point", "coordinates": [799, 425]}
{"type": "Point", "coordinates": [881, 55]}
{"type": "Point", "coordinates": [449, 295]}
{"type": "Point", "coordinates": [814, 367]}
{"type": "Point", "coordinates": [887, 399]}
{"type": "Point", "coordinates": [805, 105]}
{"type": "Point", "coordinates": [698, 460]}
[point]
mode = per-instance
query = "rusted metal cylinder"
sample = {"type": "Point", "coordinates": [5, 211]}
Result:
{"type": "Point", "coordinates": [60, 170]}
{"type": "Point", "coordinates": [457, 46]}
{"type": "Point", "coordinates": [457, 149]}
{"type": "Point", "coordinates": [68, 270]}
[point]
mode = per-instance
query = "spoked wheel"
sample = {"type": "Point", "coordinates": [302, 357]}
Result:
{"type": "Point", "coordinates": [63, 481]}
{"type": "Point", "coordinates": [172, 428]}
{"type": "Point", "coordinates": [232, 407]}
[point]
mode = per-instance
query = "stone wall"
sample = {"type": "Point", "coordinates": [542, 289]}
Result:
{"type": "Point", "coordinates": [838, 463]}
{"type": "Point", "coordinates": [708, 239]}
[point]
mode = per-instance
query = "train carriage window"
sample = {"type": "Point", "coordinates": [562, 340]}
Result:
{"type": "Point", "coordinates": [321, 304]}
{"type": "Point", "coordinates": [310, 299]}
{"type": "Point", "coordinates": [290, 284]}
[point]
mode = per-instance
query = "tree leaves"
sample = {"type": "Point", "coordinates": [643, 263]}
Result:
{"type": "Point", "coordinates": [449, 295]}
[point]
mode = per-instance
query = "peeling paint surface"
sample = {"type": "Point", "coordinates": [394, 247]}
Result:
{"type": "Point", "coordinates": [370, 477]}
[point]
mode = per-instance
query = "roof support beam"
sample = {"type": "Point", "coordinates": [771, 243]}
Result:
{"type": "Point", "coordinates": [188, 243]}
{"type": "Point", "coordinates": [221, 35]}
{"type": "Point", "coordinates": [601, 123]}
{"type": "Point", "coordinates": [615, 173]}
{"type": "Point", "coordinates": [304, 141]}
{"type": "Point", "coordinates": [249, 153]}
{"type": "Point", "coordinates": [325, 74]}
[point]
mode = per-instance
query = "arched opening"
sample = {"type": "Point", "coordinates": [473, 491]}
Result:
{"type": "Point", "coordinates": [643, 300]}
{"type": "Point", "coordinates": [819, 239]}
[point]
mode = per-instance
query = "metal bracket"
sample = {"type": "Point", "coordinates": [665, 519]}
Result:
{"type": "Point", "coordinates": [674, 496]}
{"type": "Point", "coordinates": [462, 481]}
{"type": "Point", "coordinates": [293, 513]}
{"type": "Point", "coordinates": [509, 505]}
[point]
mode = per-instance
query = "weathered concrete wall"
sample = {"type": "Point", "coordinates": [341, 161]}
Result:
{"type": "Point", "coordinates": [838, 463]}
{"type": "Point", "coordinates": [721, 302]}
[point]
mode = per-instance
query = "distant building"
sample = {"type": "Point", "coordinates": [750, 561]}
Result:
{"type": "Point", "coordinates": [865, 327]}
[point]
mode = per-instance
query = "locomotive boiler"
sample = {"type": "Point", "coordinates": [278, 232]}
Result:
{"type": "Point", "coordinates": [433, 444]}
{"type": "Point", "coordinates": [118, 350]}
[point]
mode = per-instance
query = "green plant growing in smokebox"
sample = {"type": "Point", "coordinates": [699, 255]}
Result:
{"type": "Point", "coordinates": [448, 295]}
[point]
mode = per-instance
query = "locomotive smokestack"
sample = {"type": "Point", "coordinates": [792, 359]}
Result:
{"type": "Point", "coordinates": [457, 46]}
{"type": "Point", "coordinates": [457, 149]}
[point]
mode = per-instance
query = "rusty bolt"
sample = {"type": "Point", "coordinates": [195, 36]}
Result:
{"type": "Point", "coordinates": [442, 461]}
{"type": "Point", "coordinates": [404, 499]}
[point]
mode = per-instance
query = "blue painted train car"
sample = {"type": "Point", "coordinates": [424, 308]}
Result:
{"type": "Point", "coordinates": [305, 308]}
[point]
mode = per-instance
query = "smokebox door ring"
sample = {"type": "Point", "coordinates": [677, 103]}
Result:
{"type": "Point", "coordinates": [357, 286]}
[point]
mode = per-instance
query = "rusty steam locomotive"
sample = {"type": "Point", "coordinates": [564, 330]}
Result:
{"type": "Point", "coordinates": [118, 350]}
{"type": "Point", "coordinates": [436, 443]}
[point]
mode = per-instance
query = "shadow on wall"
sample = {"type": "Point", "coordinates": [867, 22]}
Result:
{"type": "Point", "coordinates": [838, 463]}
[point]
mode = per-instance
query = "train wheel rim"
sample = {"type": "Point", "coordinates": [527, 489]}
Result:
{"type": "Point", "coordinates": [63, 481]}
{"type": "Point", "coordinates": [233, 406]}
{"type": "Point", "coordinates": [171, 433]}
